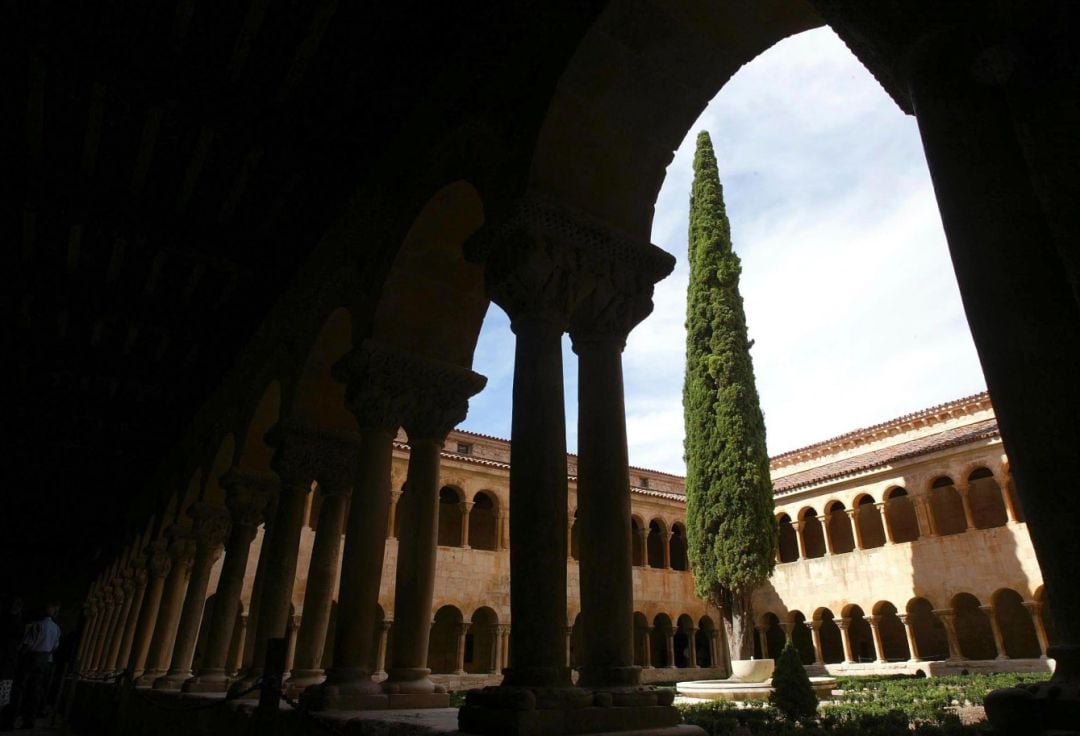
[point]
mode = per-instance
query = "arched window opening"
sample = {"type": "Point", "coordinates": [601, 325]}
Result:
{"type": "Point", "coordinates": [703, 641]}
{"type": "Point", "coordinates": [987, 503]}
{"type": "Point", "coordinates": [840, 533]}
{"type": "Point", "coordinates": [678, 547]}
{"type": "Point", "coordinates": [893, 637]}
{"type": "Point", "coordinates": [637, 537]}
{"type": "Point", "coordinates": [483, 526]}
{"type": "Point", "coordinates": [947, 507]}
{"type": "Point", "coordinates": [871, 530]}
{"type": "Point", "coordinates": [801, 637]}
{"type": "Point", "coordinates": [860, 635]}
{"type": "Point", "coordinates": [789, 543]}
{"type": "Point", "coordinates": [973, 630]}
{"type": "Point", "coordinates": [900, 516]}
{"type": "Point", "coordinates": [812, 533]}
{"type": "Point", "coordinates": [775, 638]}
{"type": "Point", "coordinates": [574, 537]}
{"type": "Point", "coordinates": [480, 642]}
{"type": "Point", "coordinates": [443, 643]}
{"type": "Point", "coordinates": [927, 629]}
{"type": "Point", "coordinates": [683, 640]}
{"type": "Point", "coordinates": [832, 644]}
{"type": "Point", "coordinates": [449, 517]}
{"type": "Point", "coordinates": [1017, 628]}
{"type": "Point", "coordinates": [662, 630]}
{"type": "Point", "coordinates": [642, 639]}
{"type": "Point", "coordinates": [656, 544]}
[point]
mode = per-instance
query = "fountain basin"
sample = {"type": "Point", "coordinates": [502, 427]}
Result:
{"type": "Point", "coordinates": [734, 690]}
{"type": "Point", "coordinates": [751, 670]}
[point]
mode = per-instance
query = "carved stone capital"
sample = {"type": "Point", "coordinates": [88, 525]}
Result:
{"type": "Point", "coordinates": [247, 496]}
{"type": "Point", "coordinates": [376, 390]}
{"type": "Point", "coordinates": [306, 453]}
{"type": "Point", "coordinates": [158, 562]}
{"type": "Point", "coordinates": [211, 524]}
{"type": "Point", "coordinates": [547, 260]}
{"type": "Point", "coordinates": [439, 398]}
{"type": "Point", "coordinates": [181, 547]}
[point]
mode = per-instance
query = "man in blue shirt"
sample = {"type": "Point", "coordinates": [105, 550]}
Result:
{"type": "Point", "coordinates": [41, 640]}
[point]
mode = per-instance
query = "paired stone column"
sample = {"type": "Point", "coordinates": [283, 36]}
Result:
{"type": "Point", "coordinates": [856, 528]}
{"type": "Point", "coordinates": [1007, 496]}
{"type": "Point", "coordinates": [462, 632]}
{"type": "Point", "coordinates": [439, 400]}
{"type": "Point", "coordinates": [797, 525]}
{"type": "Point", "coordinates": [815, 633]}
{"type": "Point", "coordinates": [87, 635]}
{"type": "Point", "coordinates": [1035, 608]}
{"type": "Point", "coordinates": [158, 567]}
{"type": "Point", "coordinates": [117, 638]}
{"type": "Point", "coordinates": [569, 646]}
{"type": "Point", "coordinates": [599, 326]}
{"type": "Point", "coordinates": [999, 640]}
{"type": "Point", "coordinates": [844, 624]}
{"type": "Point", "coordinates": [924, 516]}
{"type": "Point", "coordinates": [114, 598]}
{"type": "Point", "coordinates": [335, 477]}
{"type": "Point", "coordinates": [139, 580]}
{"type": "Point", "coordinates": [381, 649]}
{"type": "Point", "coordinates": [211, 524]}
{"type": "Point", "coordinates": [504, 647]}
{"type": "Point", "coordinates": [909, 631]}
{"type": "Point", "coordinates": [763, 641]}
{"type": "Point", "coordinates": [787, 627]}
{"type": "Point", "coordinates": [965, 492]}
{"type": "Point", "coordinates": [669, 641]}
{"type": "Point", "coordinates": [826, 533]}
{"type": "Point", "coordinates": [391, 524]}
{"type": "Point", "coordinates": [875, 630]}
{"type": "Point", "coordinates": [466, 508]}
{"type": "Point", "coordinates": [182, 554]}
{"type": "Point", "coordinates": [236, 648]}
{"type": "Point", "coordinates": [881, 507]}
{"type": "Point", "coordinates": [691, 633]}
{"type": "Point", "coordinates": [500, 530]}
{"type": "Point", "coordinates": [246, 498]}
{"type": "Point", "coordinates": [947, 616]}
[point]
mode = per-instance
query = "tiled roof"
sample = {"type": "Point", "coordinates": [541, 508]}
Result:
{"type": "Point", "coordinates": [887, 455]}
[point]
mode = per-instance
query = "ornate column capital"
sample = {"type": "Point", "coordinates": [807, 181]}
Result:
{"type": "Point", "coordinates": [247, 496]}
{"type": "Point", "coordinates": [376, 389]}
{"type": "Point", "coordinates": [305, 453]}
{"type": "Point", "coordinates": [211, 525]}
{"type": "Point", "coordinates": [158, 561]}
{"type": "Point", "coordinates": [438, 398]}
{"type": "Point", "coordinates": [813, 625]}
{"type": "Point", "coordinates": [843, 623]}
{"type": "Point", "coordinates": [874, 621]}
{"type": "Point", "coordinates": [181, 547]}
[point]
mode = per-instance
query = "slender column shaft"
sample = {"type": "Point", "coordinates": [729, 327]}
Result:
{"type": "Point", "coordinates": [130, 626]}
{"type": "Point", "coordinates": [995, 627]}
{"type": "Point", "coordinates": [948, 620]}
{"type": "Point", "coordinates": [415, 582]}
{"type": "Point", "coordinates": [504, 635]}
{"type": "Point", "coordinates": [569, 646]}
{"type": "Point", "coordinates": [845, 636]}
{"type": "Point", "coordinates": [89, 624]}
{"type": "Point", "coordinates": [236, 648]}
{"type": "Point", "coordinates": [462, 632]}
{"type": "Point", "coordinates": [882, 507]}
{"type": "Point", "coordinates": [384, 640]}
{"type": "Point", "coordinates": [875, 630]}
{"type": "Point", "coordinates": [172, 602]}
{"type": "Point", "coordinates": [965, 499]}
{"type": "Point", "coordinates": [607, 582]}
{"type": "Point", "coordinates": [108, 629]}
{"type": "Point", "coordinates": [787, 627]}
{"type": "Point", "coordinates": [763, 641]}
{"type": "Point", "coordinates": [1035, 609]}
{"type": "Point", "coordinates": [798, 527]}
{"type": "Point", "coordinates": [826, 532]}
{"type": "Point", "coordinates": [391, 523]}
{"type": "Point", "coordinates": [912, 643]}
{"type": "Point", "coordinates": [117, 639]}
{"type": "Point", "coordinates": [853, 516]}
{"type": "Point", "coordinates": [815, 633]}
{"type": "Point", "coordinates": [538, 495]}
{"type": "Point", "coordinates": [1006, 498]}
{"type": "Point", "coordinates": [498, 645]}
{"type": "Point", "coordinates": [692, 635]}
{"type": "Point", "coordinates": [158, 568]}
{"type": "Point", "coordinates": [255, 604]}
{"type": "Point", "coordinates": [466, 507]}
{"type": "Point", "coordinates": [323, 572]}
{"type": "Point", "coordinates": [647, 647]}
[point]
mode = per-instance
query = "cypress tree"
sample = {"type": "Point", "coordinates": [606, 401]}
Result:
{"type": "Point", "coordinates": [731, 529]}
{"type": "Point", "coordinates": [792, 694]}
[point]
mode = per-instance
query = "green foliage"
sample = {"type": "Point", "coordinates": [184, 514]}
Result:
{"type": "Point", "coordinates": [730, 524]}
{"type": "Point", "coordinates": [792, 693]}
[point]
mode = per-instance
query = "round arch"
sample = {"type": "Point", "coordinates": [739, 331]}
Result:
{"type": "Point", "coordinates": [788, 540]}
{"type": "Point", "coordinates": [900, 515]}
{"type": "Point", "coordinates": [483, 521]}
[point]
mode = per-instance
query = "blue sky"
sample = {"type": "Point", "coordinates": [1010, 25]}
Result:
{"type": "Point", "coordinates": [849, 293]}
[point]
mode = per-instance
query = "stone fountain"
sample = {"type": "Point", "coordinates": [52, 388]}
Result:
{"type": "Point", "coordinates": [751, 679]}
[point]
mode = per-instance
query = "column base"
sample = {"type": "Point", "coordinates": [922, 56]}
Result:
{"type": "Point", "coordinates": [148, 678]}
{"type": "Point", "coordinates": [245, 683]}
{"type": "Point", "coordinates": [351, 689]}
{"type": "Point", "coordinates": [410, 681]}
{"type": "Point", "coordinates": [525, 711]}
{"type": "Point", "coordinates": [601, 678]}
{"type": "Point", "coordinates": [1049, 707]}
{"type": "Point", "coordinates": [211, 683]}
{"type": "Point", "coordinates": [301, 680]}
{"type": "Point", "coordinates": [172, 681]}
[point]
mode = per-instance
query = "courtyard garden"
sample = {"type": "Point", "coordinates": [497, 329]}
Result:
{"type": "Point", "coordinates": [868, 706]}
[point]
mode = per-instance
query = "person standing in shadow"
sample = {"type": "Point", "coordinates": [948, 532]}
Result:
{"type": "Point", "coordinates": [40, 641]}
{"type": "Point", "coordinates": [12, 629]}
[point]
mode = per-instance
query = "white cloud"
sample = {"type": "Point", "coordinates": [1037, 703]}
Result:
{"type": "Point", "coordinates": [849, 291]}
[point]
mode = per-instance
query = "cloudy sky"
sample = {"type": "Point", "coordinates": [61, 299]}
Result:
{"type": "Point", "coordinates": [849, 292]}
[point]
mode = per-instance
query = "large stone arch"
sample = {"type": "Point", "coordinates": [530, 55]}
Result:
{"type": "Point", "coordinates": [450, 516]}
{"type": "Point", "coordinates": [929, 633]}
{"type": "Point", "coordinates": [318, 399]}
{"type": "Point", "coordinates": [832, 644]}
{"type": "Point", "coordinates": [813, 533]}
{"type": "Point", "coordinates": [891, 630]}
{"type": "Point", "coordinates": [984, 496]}
{"type": "Point", "coordinates": [838, 527]}
{"type": "Point", "coordinates": [442, 646]}
{"type": "Point", "coordinates": [947, 507]}
{"type": "Point", "coordinates": [1015, 623]}
{"type": "Point", "coordinates": [253, 454]}
{"type": "Point", "coordinates": [973, 629]}
{"type": "Point", "coordinates": [484, 521]}
{"type": "Point", "coordinates": [869, 522]}
{"type": "Point", "coordinates": [212, 491]}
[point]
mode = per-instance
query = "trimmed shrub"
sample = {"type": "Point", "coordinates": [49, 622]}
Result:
{"type": "Point", "coordinates": [792, 693]}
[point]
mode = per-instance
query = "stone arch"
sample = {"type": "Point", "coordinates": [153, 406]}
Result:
{"type": "Point", "coordinates": [678, 547]}
{"type": "Point", "coordinates": [212, 491]}
{"type": "Point", "coordinates": [319, 399]}
{"type": "Point", "coordinates": [703, 641]}
{"type": "Point", "coordinates": [774, 635]}
{"type": "Point", "coordinates": [442, 646]}
{"type": "Point", "coordinates": [859, 633]}
{"type": "Point", "coordinates": [637, 528]}
{"type": "Point", "coordinates": [483, 524]}
{"type": "Point", "coordinates": [832, 644]}
{"type": "Point", "coordinates": [947, 507]}
{"type": "Point", "coordinates": [984, 497]}
{"type": "Point", "coordinates": [801, 636]}
{"type": "Point", "coordinates": [433, 301]}
{"type": "Point", "coordinates": [788, 541]}
{"type": "Point", "coordinates": [191, 495]}
{"type": "Point", "coordinates": [480, 642]}
{"type": "Point", "coordinates": [641, 630]}
{"type": "Point", "coordinates": [684, 627]}
{"type": "Point", "coordinates": [838, 527]}
{"type": "Point", "coordinates": [1014, 622]}
{"type": "Point", "coordinates": [894, 647]}
{"type": "Point", "coordinates": [927, 629]}
{"type": "Point", "coordinates": [900, 515]}
{"type": "Point", "coordinates": [662, 629]}
{"type": "Point", "coordinates": [254, 454]}
{"type": "Point", "coordinates": [871, 529]}
{"type": "Point", "coordinates": [656, 543]}
{"type": "Point", "coordinates": [812, 533]}
{"type": "Point", "coordinates": [973, 630]}
{"type": "Point", "coordinates": [450, 516]}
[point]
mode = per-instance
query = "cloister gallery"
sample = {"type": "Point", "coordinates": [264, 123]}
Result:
{"type": "Point", "coordinates": [257, 240]}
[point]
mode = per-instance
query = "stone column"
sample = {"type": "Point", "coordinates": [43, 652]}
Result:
{"type": "Point", "coordinates": [462, 632]}
{"type": "Point", "coordinates": [235, 659]}
{"type": "Point", "coordinates": [599, 328]}
{"type": "Point", "coordinates": [113, 602]}
{"type": "Point", "coordinates": [669, 639]}
{"type": "Point", "coordinates": [1007, 499]}
{"type": "Point", "coordinates": [292, 630]}
{"type": "Point", "coordinates": [875, 630]}
{"type": "Point", "coordinates": [1035, 609]}
{"type": "Point", "coordinates": [692, 634]}
{"type": "Point", "coordinates": [643, 541]}
{"type": "Point", "coordinates": [845, 636]}
{"type": "Point", "coordinates": [504, 639]}
{"type": "Point", "coordinates": [715, 657]}
{"type": "Point", "coordinates": [924, 515]}
{"type": "Point", "coordinates": [182, 553]}
{"type": "Point", "coordinates": [569, 644]}
{"type": "Point", "coordinates": [666, 537]}
{"type": "Point", "coordinates": [439, 401]}
{"type": "Point", "coordinates": [391, 524]}
{"type": "Point", "coordinates": [211, 523]}
{"type": "Point", "coordinates": [948, 618]}
{"type": "Point", "coordinates": [466, 507]}
{"type": "Point", "coordinates": [335, 478]}
{"type": "Point", "coordinates": [826, 532]}
{"type": "Point", "coordinates": [139, 580]}
{"type": "Point", "coordinates": [964, 490]}
{"type": "Point", "coordinates": [248, 653]}
{"type": "Point", "coordinates": [797, 526]}
{"type": "Point", "coordinates": [815, 633]}
{"type": "Point", "coordinates": [909, 631]}
{"type": "Point", "coordinates": [246, 498]}
{"type": "Point", "coordinates": [117, 638]}
{"type": "Point", "coordinates": [853, 516]}
{"type": "Point", "coordinates": [500, 530]}
{"type": "Point", "coordinates": [570, 535]}
{"type": "Point", "coordinates": [158, 567]}
{"type": "Point", "coordinates": [89, 624]}
{"type": "Point", "coordinates": [380, 652]}
{"type": "Point", "coordinates": [763, 641]}
{"type": "Point", "coordinates": [881, 509]}
{"type": "Point", "coordinates": [999, 640]}
{"type": "Point", "coordinates": [293, 463]}
{"type": "Point", "coordinates": [787, 628]}
{"type": "Point", "coordinates": [647, 648]}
